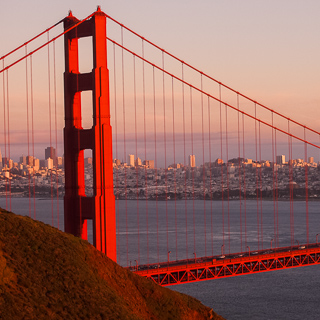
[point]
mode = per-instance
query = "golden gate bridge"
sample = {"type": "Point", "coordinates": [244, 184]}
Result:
{"type": "Point", "coordinates": [138, 101]}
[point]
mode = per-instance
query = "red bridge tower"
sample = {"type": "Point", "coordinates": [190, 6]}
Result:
{"type": "Point", "coordinates": [78, 208]}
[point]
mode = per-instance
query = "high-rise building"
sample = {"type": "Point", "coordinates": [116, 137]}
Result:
{"type": "Point", "coordinates": [192, 160]}
{"type": "Point", "coordinates": [50, 152]}
{"type": "Point", "coordinates": [49, 163]}
{"type": "Point", "coordinates": [311, 159]}
{"type": "Point", "coordinates": [138, 162]}
{"type": "Point", "coordinates": [131, 160]}
{"type": "Point", "coordinates": [149, 164]}
{"type": "Point", "coordinates": [23, 160]}
{"type": "Point", "coordinates": [29, 160]}
{"type": "Point", "coordinates": [42, 163]}
{"type": "Point", "coordinates": [60, 161]}
{"type": "Point", "coordinates": [281, 159]}
{"type": "Point", "coordinates": [0, 160]}
{"type": "Point", "coordinates": [36, 164]}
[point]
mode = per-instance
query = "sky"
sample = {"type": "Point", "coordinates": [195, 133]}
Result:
{"type": "Point", "coordinates": [268, 50]}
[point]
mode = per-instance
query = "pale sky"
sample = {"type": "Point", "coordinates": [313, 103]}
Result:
{"type": "Point", "coordinates": [268, 50]}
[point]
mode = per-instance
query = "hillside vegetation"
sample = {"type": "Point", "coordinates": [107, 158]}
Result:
{"type": "Point", "coordinates": [48, 274]}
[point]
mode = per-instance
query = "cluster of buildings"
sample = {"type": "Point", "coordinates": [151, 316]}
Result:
{"type": "Point", "coordinates": [29, 163]}
{"type": "Point", "coordinates": [132, 162]}
{"type": "Point", "coordinates": [149, 164]}
{"type": "Point", "coordinates": [41, 173]}
{"type": "Point", "coordinates": [142, 179]}
{"type": "Point", "coordinates": [236, 178]}
{"type": "Point", "coordinates": [232, 164]}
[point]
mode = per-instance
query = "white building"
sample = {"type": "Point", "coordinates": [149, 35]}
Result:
{"type": "Point", "coordinates": [131, 160]}
{"type": "Point", "coordinates": [192, 160]}
{"type": "Point", "coordinates": [49, 163]}
{"type": "Point", "coordinates": [36, 164]}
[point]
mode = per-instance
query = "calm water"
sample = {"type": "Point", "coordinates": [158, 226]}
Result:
{"type": "Point", "coordinates": [283, 294]}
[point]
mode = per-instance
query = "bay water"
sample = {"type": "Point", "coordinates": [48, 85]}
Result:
{"type": "Point", "coordinates": [148, 230]}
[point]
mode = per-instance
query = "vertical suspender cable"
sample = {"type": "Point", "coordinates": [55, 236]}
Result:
{"type": "Point", "coordinates": [124, 143]}
{"type": "Point", "coordinates": [239, 172]}
{"type": "Point", "coordinates": [56, 126]}
{"type": "Point", "coordinates": [165, 150]}
{"type": "Point", "coordinates": [244, 186]}
{"type": "Point", "coordinates": [257, 183]}
{"type": "Point", "coordinates": [277, 191]}
{"type": "Point", "coordinates": [9, 146]}
{"type": "Point", "coordinates": [228, 182]}
{"type": "Point", "coordinates": [203, 174]}
{"type": "Point", "coordinates": [145, 148]}
{"type": "Point", "coordinates": [290, 184]}
{"type": "Point", "coordinates": [136, 142]}
{"type": "Point", "coordinates": [306, 185]}
{"type": "Point", "coordinates": [175, 168]}
{"type": "Point", "coordinates": [49, 103]}
{"type": "Point", "coordinates": [210, 178]}
{"type": "Point", "coordinates": [155, 156]}
{"type": "Point", "coordinates": [32, 137]}
{"type": "Point", "coordinates": [221, 166]}
{"type": "Point", "coordinates": [192, 176]}
{"type": "Point", "coordinates": [292, 195]}
{"type": "Point", "coordinates": [184, 161]}
{"type": "Point", "coordinates": [28, 135]}
{"type": "Point", "coordinates": [273, 182]}
{"type": "Point", "coordinates": [5, 133]}
{"type": "Point", "coordinates": [260, 187]}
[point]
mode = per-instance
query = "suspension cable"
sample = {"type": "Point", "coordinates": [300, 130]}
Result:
{"type": "Point", "coordinates": [209, 77]}
{"type": "Point", "coordinates": [219, 100]}
{"type": "Point", "coordinates": [45, 44]}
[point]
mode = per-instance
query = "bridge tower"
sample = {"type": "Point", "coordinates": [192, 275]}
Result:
{"type": "Point", "coordinates": [78, 208]}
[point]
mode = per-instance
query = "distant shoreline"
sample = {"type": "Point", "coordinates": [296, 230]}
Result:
{"type": "Point", "coordinates": [16, 196]}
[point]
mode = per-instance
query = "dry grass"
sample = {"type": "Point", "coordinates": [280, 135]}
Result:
{"type": "Point", "coordinates": [48, 274]}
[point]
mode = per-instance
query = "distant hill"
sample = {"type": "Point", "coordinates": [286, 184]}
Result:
{"type": "Point", "coordinates": [48, 274]}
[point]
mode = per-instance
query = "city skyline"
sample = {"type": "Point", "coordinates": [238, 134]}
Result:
{"type": "Point", "coordinates": [265, 74]}
{"type": "Point", "coordinates": [134, 161]}
{"type": "Point", "coordinates": [250, 151]}
{"type": "Point", "coordinates": [143, 180]}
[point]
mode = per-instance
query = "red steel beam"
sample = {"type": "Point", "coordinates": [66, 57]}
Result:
{"type": "Point", "coordinates": [229, 267]}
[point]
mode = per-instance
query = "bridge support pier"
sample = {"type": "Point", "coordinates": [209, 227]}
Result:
{"type": "Point", "coordinates": [78, 208]}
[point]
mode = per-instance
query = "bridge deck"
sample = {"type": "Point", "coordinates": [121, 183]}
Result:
{"type": "Point", "coordinates": [200, 269]}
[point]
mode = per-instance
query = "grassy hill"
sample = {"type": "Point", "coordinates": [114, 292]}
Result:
{"type": "Point", "coordinates": [48, 274]}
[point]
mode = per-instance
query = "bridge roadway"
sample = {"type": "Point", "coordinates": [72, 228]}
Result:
{"type": "Point", "coordinates": [229, 265]}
